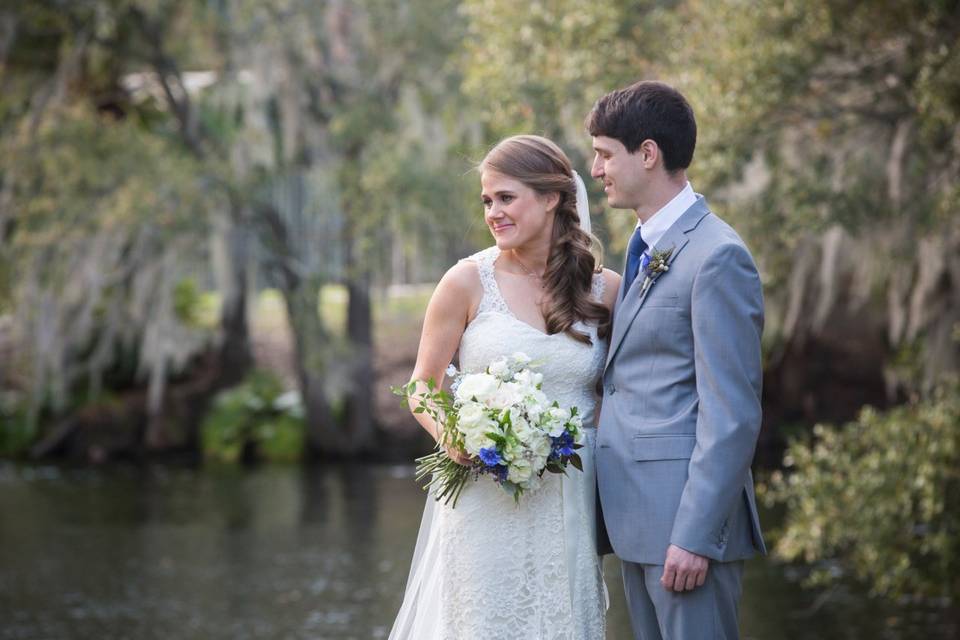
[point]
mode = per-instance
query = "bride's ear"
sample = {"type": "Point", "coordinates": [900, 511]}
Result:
{"type": "Point", "coordinates": [551, 200]}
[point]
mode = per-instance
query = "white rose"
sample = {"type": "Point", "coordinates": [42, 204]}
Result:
{"type": "Point", "coordinates": [476, 441]}
{"type": "Point", "coordinates": [478, 385]}
{"type": "Point", "coordinates": [506, 395]}
{"type": "Point", "coordinates": [470, 414]}
{"type": "Point", "coordinates": [540, 446]}
{"type": "Point", "coordinates": [499, 368]}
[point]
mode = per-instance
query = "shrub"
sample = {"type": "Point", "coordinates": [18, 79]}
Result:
{"type": "Point", "coordinates": [257, 414]}
{"type": "Point", "coordinates": [878, 499]}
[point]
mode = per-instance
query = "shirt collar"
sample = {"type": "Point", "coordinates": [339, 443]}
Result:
{"type": "Point", "coordinates": [659, 223]}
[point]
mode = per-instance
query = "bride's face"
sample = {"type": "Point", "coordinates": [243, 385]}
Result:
{"type": "Point", "coordinates": [517, 215]}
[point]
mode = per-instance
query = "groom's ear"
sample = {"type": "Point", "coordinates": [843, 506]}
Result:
{"type": "Point", "coordinates": [649, 152]}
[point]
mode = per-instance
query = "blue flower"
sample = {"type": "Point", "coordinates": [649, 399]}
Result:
{"type": "Point", "coordinates": [562, 445]}
{"type": "Point", "coordinates": [490, 456]}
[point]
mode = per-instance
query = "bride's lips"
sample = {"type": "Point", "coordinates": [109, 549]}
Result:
{"type": "Point", "coordinates": [500, 228]}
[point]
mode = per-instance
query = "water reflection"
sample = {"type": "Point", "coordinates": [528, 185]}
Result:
{"type": "Point", "coordinates": [162, 552]}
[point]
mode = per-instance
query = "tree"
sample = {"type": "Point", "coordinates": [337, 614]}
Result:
{"type": "Point", "coordinates": [100, 217]}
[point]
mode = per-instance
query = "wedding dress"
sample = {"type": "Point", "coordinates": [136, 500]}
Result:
{"type": "Point", "coordinates": [492, 569]}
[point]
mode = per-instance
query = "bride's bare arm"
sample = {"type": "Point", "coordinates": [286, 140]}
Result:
{"type": "Point", "coordinates": [453, 303]}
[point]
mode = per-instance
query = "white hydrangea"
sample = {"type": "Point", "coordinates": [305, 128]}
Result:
{"type": "Point", "coordinates": [520, 359]}
{"type": "Point", "coordinates": [520, 470]}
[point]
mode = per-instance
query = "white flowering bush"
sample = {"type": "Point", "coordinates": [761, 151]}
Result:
{"type": "Point", "coordinates": [502, 420]}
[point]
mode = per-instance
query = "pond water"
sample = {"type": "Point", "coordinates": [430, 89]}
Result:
{"type": "Point", "coordinates": [283, 552]}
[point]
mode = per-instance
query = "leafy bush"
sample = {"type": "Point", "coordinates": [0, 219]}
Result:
{"type": "Point", "coordinates": [17, 431]}
{"type": "Point", "coordinates": [878, 499]}
{"type": "Point", "coordinates": [258, 414]}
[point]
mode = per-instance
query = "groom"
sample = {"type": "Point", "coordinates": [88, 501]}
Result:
{"type": "Point", "coordinates": [681, 389]}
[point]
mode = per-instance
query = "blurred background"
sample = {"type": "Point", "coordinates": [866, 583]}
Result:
{"type": "Point", "coordinates": [221, 220]}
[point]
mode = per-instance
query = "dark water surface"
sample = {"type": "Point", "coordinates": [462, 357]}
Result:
{"type": "Point", "coordinates": [282, 552]}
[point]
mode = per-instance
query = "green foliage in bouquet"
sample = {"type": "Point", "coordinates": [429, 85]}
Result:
{"type": "Point", "coordinates": [257, 414]}
{"type": "Point", "coordinates": [437, 469]}
{"type": "Point", "coordinates": [879, 499]}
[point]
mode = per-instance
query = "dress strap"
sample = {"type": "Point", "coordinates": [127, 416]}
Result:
{"type": "Point", "coordinates": [598, 287]}
{"type": "Point", "coordinates": [492, 298]}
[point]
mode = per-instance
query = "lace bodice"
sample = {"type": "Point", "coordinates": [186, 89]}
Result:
{"type": "Point", "coordinates": [570, 368]}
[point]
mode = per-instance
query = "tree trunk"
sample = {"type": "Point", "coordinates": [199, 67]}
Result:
{"type": "Point", "coordinates": [310, 342]}
{"type": "Point", "coordinates": [359, 408]}
{"type": "Point", "coordinates": [235, 357]}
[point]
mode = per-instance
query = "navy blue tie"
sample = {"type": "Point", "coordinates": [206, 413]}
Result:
{"type": "Point", "coordinates": [634, 259]}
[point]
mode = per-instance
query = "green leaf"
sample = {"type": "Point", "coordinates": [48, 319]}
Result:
{"type": "Point", "coordinates": [576, 462]}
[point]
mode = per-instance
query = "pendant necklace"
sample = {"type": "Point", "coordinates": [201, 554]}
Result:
{"type": "Point", "coordinates": [528, 271]}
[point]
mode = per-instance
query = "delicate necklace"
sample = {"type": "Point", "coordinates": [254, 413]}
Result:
{"type": "Point", "coordinates": [528, 271]}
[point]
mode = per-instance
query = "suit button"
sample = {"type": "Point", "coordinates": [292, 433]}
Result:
{"type": "Point", "coordinates": [611, 390]}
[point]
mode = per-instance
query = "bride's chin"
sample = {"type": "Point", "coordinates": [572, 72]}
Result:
{"type": "Point", "coordinates": [503, 243]}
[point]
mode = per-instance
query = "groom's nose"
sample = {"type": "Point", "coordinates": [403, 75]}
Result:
{"type": "Point", "coordinates": [596, 169]}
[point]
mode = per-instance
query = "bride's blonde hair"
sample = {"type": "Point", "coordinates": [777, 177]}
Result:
{"type": "Point", "coordinates": [541, 165]}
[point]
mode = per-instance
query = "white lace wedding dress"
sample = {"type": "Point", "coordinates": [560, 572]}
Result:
{"type": "Point", "coordinates": [490, 569]}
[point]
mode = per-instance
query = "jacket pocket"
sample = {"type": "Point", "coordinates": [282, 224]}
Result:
{"type": "Point", "coordinates": [669, 301]}
{"type": "Point", "coordinates": [663, 447]}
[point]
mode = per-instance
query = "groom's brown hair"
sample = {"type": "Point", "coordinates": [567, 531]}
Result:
{"type": "Point", "coordinates": [648, 110]}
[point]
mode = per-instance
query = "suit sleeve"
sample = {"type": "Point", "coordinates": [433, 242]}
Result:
{"type": "Point", "coordinates": [727, 321]}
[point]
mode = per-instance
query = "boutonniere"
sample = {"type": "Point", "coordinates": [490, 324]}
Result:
{"type": "Point", "coordinates": [656, 265]}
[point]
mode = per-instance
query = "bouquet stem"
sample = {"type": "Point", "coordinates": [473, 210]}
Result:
{"type": "Point", "coordinates": [446, 477]}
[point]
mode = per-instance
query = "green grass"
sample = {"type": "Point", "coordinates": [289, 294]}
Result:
{"type": "Point", "coordinates": [403, 307]}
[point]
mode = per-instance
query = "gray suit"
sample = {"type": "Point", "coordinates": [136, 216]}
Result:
{"type": "Point", "coordinates": [678, 428]}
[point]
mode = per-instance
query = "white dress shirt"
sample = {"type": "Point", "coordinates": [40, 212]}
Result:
{"type": "Point", "coordinates": [652, 230]}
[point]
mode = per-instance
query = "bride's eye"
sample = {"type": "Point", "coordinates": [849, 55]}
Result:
{"type": "Point", "coordinates": [487, 202]}
{"type": "Point", "coordinates": [506, 198]}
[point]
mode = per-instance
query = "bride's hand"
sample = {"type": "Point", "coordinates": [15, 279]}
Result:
{"type": "Point", "coordinates": [458, 455]}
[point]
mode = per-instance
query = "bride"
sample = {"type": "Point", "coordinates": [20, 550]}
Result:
{"type": "Point", "coordinates": [490, 568]}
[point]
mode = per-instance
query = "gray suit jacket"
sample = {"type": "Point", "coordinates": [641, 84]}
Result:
{"type": "Point", "coordinates": [681, 402]}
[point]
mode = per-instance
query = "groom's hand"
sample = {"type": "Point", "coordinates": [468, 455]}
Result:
{"type": "Point", "coordinates": [683, 570]}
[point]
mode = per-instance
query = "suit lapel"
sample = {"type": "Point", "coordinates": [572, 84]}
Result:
{"type": "Point", "coordinates": [632, 301]}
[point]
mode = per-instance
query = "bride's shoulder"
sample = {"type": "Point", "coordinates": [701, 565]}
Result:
{"type": "Point", "coordinates": [464, 277]}
{"type": "Point", "coordinates": [609, 276]}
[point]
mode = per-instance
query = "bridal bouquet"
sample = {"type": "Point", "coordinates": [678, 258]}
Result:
{"type": "Point", "coordinates": [503, 422]}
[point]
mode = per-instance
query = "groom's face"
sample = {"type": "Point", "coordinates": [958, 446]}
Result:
{"type": "Point", "coordinates": [621, 172]}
